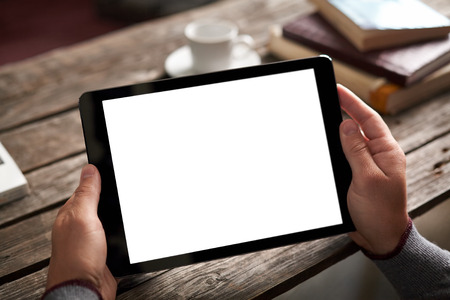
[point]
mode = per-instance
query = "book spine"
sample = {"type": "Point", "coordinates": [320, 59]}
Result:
{"type": "Point", "coordinates": [430, 86]}
{"type": "Point", "coordinates": [380, 96]}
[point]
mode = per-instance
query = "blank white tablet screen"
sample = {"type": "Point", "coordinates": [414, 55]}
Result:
{"type": "Point", "coordinates": [220, 164]}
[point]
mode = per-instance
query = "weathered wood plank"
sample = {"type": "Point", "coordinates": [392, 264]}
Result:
{"type": "Point", "coordinates": [35, 76]}
{"type": "Point", "coordinates": [428, 179]}
{"type": "Point", "coordinates": [48, 187]}
{"type": "Point", "coordinates": [423, 166]}
{"type": "Point", "coordinates": [421, 124]}
{"type": "Point", "coordinates": [26, 243]}
{"type": "Point", "coordinates": [32, 286]}
{"type": "Point", "coordinates": [55, 138]}
{"type": "Point", "coordinates": [46, 141]}
{"type": "Point", "coordinates": [50, 83]}
{"type": "Point", "coordinates": [428, 174]}
{"type": "Point", "coordinates": [229, 278]}
{"type": "Point", "coordinates": [28, 287]}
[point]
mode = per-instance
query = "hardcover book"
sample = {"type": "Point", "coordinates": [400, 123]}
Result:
{"type": "Point", "coordinates": [378, 24]}
{"type": "Point", "coordinates": [383, 95]}
{"type": "Point", "coordinates": [401, 65]}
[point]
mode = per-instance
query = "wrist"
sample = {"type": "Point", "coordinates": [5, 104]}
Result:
{"type": "Point", "coordinates": [73, 283]}
{"type": "Point", "coordinates": [382, 254]}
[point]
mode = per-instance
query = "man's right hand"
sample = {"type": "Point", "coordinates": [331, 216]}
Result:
{"type": "Point", "coordinates": [377, 194]}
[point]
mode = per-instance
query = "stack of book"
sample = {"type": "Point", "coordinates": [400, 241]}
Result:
{"type": "Point", "coordinates": [391, 53]}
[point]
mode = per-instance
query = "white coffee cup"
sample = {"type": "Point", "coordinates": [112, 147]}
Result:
{"type": "Point", "coordinates": [212, 43]}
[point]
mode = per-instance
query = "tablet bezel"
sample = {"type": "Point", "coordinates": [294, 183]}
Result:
{"type": "Point", "coordinates": [99, 154]}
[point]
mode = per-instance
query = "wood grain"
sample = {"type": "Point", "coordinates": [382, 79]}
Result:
{"type": "Point", "coordinates": [54, 139]}
{"type": "Point", "coordinates": [46, 141]}
{"type": "Point", "coordinates": [428, 175]}
{"type": "Point", "coordinates": [40, 127]}
{"type": "Point", "coordinates": [50, 186]}
{"type": "Point", "coordinates": [422, 123]}
{"type": "Point", "coordinates": [25, 244]}
{"type": "Point", "coordinates": [428, 178]}
{"type": "Point", "coordinates": [256, 272]}
{"type": "Point", "coordinates": [36, 88]}
{"type": "Point", "coordinates": [29, 287]}
{"type": "Point", "coordinates": [32, 286]}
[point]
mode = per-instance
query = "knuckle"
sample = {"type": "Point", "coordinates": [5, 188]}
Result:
{"type": "Point", "coordinates": [69, 220]}
{"type": "Point", "coordinates": [358, 148]}
{"type": "Point", "coordinates": [83, 191]}
{"type": "Point", "coordinates": [63, 220]}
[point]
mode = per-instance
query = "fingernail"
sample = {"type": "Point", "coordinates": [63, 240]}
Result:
{"type": "Point", "coordinates": [88, 171]}
{"type": "Point", "coordinates": [349, 127]}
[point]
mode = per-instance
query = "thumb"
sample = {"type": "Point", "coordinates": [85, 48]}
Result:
{"type": "Point", "coordinates": [87, 194]}
{"type": "Point", "coordinates": [355, 147]}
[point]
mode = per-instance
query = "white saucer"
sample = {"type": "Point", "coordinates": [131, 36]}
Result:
{"type": "Point", "coordinates": [179, 62]}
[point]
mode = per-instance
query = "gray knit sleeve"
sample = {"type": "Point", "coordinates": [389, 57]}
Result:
{"type": "Point", "coordinates": [420, 270]}
{"type": "Point", "coordinates": [72, 290]}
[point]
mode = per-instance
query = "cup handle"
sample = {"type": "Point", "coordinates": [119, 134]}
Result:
{"type": "Point", "coordinates": [243, 44]}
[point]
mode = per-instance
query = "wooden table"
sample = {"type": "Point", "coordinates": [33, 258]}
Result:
{"type": "Point", "coordinates": [40, 127]}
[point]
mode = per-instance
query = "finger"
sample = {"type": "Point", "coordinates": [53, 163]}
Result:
{"type": "Point", "coordinates": [355, 148]}
{"type": "Point", "coordinates": [87, 194]}
{"type": "Point", "coordinates": [370, 121]}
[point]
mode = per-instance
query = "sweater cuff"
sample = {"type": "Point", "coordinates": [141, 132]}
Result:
{"type": "Point", "coordinates": [397, 249]}
{"type": "Point", "coordinates": [76, 289]}
{"type": "Point", "coordinates": [420, 271]}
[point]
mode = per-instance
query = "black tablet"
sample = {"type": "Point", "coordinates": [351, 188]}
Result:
{"type": "Point", "coordinates": [207, 166]}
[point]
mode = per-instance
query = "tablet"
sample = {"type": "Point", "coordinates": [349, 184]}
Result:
{"type": "Point", "coordinates": [220, 164]}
